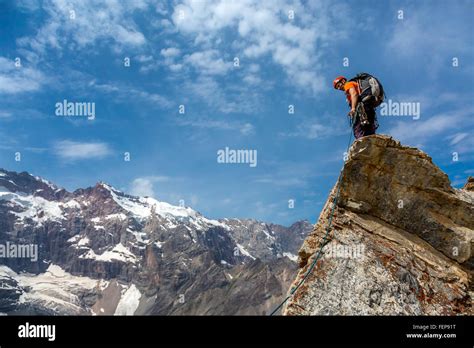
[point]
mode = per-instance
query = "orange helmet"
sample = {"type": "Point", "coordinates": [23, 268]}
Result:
{"type": "Point", "coordinates": [337, 80]}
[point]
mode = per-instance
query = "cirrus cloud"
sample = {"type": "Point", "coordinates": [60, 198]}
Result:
{"type": "Point", "coordinates": [72, 150]}
{"type": "Point", "coordinates": [20, 79]}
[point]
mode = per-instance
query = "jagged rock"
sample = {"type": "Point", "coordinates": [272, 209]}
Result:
{"type": "Point", "coordinates": [469, 186]}
{"type": "Point", "coordinates": [401, 240]}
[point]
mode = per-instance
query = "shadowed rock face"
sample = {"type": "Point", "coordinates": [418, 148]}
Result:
{"type": "Point", "coordinates": [101, 251]}
{"type": "Point", "coordinates": [401, 239]}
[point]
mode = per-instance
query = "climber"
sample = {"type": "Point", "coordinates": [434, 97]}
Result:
{"type": "Point", "coordinates": [364, 93]}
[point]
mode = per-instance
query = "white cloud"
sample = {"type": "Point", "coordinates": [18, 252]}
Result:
{"type": "Point", "coordinates": [244, 128]}
{"type": "Point", "coordinates": [143, 58]}
{"type": "Point", "coordinates": [247, 129]}
{"type": "Point", "coordinates": [93, 21]}
{"type": "Point", "coordinates": [72, 150]}
{"type": "Point", "coordinates": [313, 131]}
{"type": "Point", "coordinates": [416, 132]}
{"type": "Point", "coordinates": [325, 127]}
{"type": "Point", "coordinates": [265, 30]}
{"type": "Point", "coordinates": [124, 93]}
{"type": "Point", "coordinates": [462, 143]}
{"type": "Point", "coordinates": [252, 79]}
{"type": "Point", "coordinates": [208, 62]}
{"type": "Point", "coordinates": [18, 79]}
{"type": "Point", "coordinates": [456, 138]}
{"type": "Point", "coordinates": [167, 59]}
{"type": "Point", "coordinates": [175, 67]}
{"type": "Point", "coordinates": [207, 89]}
{"type": "Point", "coordinates": [144, 186]}
{"type": "Point", "coordinates": [170, 52]}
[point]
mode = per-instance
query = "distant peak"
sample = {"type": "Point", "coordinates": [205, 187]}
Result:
{"type": "Point", "coordinates": [30, 184]}
{"type": "Point", "coordinates": [108, 187]}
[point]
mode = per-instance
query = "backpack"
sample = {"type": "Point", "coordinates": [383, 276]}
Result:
{"type": "Point", "coordinates": [370, 87]}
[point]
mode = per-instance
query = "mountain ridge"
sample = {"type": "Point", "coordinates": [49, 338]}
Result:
{"type": "Point", "coordinates": [166, 259]}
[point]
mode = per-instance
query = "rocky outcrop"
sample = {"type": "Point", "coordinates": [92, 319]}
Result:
{"type": "Point", "coordinates": [469, 184]}
{"type": "Point", "coordinates": [401, 240]}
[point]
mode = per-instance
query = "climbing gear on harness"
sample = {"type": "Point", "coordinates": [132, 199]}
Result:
{"type": "Point", "coordinates": [361, 114]}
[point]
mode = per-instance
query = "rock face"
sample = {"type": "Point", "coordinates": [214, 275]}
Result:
{"type": "Point", "coordinates": [101, 251]}
{"type": "Point", "coordinates": [401, 240]}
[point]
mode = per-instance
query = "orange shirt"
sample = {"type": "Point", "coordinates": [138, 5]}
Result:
{"type": "Point", "coordinates": [348, 85]}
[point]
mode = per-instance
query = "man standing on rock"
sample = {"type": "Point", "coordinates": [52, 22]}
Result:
{"type": "Point", "coordinates": [364, 93]}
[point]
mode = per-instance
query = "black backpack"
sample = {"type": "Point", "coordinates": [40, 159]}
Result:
{"type": "Point", "coordinates": [370, 88]}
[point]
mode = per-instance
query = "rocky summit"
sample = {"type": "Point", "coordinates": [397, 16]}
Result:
{"type": "Point", "coordinates": [99, 251]}
{"type": "Point", "coordinates": [401, 241]}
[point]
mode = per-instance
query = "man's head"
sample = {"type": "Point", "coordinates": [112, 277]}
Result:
{"type": "Point", "coordinates": [339, 82]}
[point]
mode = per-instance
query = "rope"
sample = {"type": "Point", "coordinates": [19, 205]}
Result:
{"type": "Point", "coordinates": [324, 241]}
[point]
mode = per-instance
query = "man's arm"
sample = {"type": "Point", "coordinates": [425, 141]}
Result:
{"type": "Point", "coordinates": [354, 98]}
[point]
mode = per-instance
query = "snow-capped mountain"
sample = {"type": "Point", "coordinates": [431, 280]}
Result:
{"type": "Point", "coordinates": [101, 251]}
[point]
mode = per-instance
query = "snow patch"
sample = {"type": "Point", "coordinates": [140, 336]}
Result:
{"type": "Point", "coordinates": [36, 208]}
{"type": "Point", "coordinates": [83, 241]}
{"type": "Point", "coordinates": [72, 204]}
{"type": "Point", "coordinates": [120, 216]}
{"type": "Point", "coordinates": [55, 289]}
{"type": "Point", "coordinates": [118, 253]}
{"type": "Point", "coordinates": [139, 236]}
{"type": "Point", "coordinates": [129, 301]}
{"type": "Point", "coordinates": [244, 252]}
{"type": "Point", "coordinates": [142, 208]}
{"type": "Point", "coordinates": [291, 256]}
{"type": "Point", "coordinates": [49, 184]}
{"type": "Point", "coordinates": [268, 235]}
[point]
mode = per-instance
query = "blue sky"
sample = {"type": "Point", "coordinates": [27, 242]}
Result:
{"type": "Point", "coordinates": [182, 53]}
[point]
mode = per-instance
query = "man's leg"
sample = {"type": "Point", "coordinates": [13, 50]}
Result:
{"type": "Point", "coordinates": [358, 130]}
{"type": "Point", "coordinates": [364, 130]}
{"type": "Point", "coordinates": [370, 128]}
